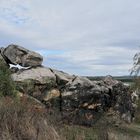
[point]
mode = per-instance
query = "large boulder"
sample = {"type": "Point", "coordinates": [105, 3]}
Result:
{"type": "Point", "coordinates": [41, 75]}
{"type": "Point", "coordinates": [15, 54]}
{"type": "Point", "coordinates": [108, 80]}
{"type": "Point", "coordinates": [87, 100]}
{"type": "Point", "coordinates": [35, 81]}
{"type": "Point", "coordinates": [62, 77]}
{"type": "Point", "coordinates": [121, 99]}
{"type": "Point", "coordinates": [80, 86]}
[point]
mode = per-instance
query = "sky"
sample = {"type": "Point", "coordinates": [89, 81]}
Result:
{"type": "Point", "coordinates": [81, 37]}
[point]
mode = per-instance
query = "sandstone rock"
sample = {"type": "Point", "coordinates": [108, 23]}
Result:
{"type": "Point", "coordinates": [108, 80]}
{"type": "Point", "coordinates": [80, 87]}
{"type": "Point", "coordinates": [50, 94]}
{"type": "Point", "coordinates": [76, 97]}
{"type": "Point", "coordinates": [81, 100]}
{"type": "Point", "coordinates": [35, 81]}
{"type": "Point", "coordinates": [62, 77]}
{"type": "Point", "coordinates": [15, 54]}
{"type": "Point", "coordinates": [39, 74]}
{"type": "Point", "coordinates": [74, 93]}
{"type": "Point", "coordinates": [80, 82]}
{"type": "Point", "coordinates": [89, 97]}
{"type": "Point", "coordinates": [122, 101]}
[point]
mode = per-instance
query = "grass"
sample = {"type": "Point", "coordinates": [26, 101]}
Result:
{"type": "Point", "coordinates": [25, 119]}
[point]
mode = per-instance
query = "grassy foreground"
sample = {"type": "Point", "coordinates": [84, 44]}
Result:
{"type": "Point", "coordinates": [24, 119]}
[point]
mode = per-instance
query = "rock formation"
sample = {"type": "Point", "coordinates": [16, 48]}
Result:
{"type": "Point", "coordinates": [78, 98]}
{"type": "Point", "coordinates": [14, 54]}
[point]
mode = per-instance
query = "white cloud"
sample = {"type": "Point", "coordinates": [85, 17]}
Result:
{"type": "Point", "coordinates": [92, 34]}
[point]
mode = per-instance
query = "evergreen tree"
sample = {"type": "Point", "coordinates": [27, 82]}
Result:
{"type": "Point", "coordinates": [7, 86]}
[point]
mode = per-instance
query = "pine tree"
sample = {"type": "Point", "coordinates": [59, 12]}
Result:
{"type": "Point", "coordinates": [7, 86]}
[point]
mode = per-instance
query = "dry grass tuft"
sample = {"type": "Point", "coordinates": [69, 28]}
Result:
{"type": "Point", "coordinates": [22, 120]}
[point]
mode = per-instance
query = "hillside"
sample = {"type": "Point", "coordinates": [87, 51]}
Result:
{"type": "Point", "coordinates": [42, 103]}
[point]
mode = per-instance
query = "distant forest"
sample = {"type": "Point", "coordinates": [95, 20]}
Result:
{"type": "Point", "coordinates": [120, 78]}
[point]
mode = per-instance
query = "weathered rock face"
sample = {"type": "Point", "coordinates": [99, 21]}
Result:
{"type": "Point", "coordinates": [39, 74]}
{"type": "Point", "coordinates": [62, 77]}
{"type": "Point", "coordinates": [122, 102]}
{"type": "Point", "coordinates": [110, 81]}
{"type": "Point", "coordinates": [35, 81]}
{"type": "Point", "coordinates": [76, 96]}
{"type": "Point", "coordinates": [88, 99]}
{"type": "Point", "coordinates": [15, 54]}
{"type": "Point", "coordinates": [80, 100]}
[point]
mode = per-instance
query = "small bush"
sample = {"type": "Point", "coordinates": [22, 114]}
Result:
{"type": "Point", "coordinates": [7, 86]}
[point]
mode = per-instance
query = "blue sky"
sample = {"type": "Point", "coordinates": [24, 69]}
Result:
{"type": "Point", "coordinates": [83, 37]}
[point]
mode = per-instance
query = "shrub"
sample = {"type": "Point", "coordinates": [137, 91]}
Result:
{"type": "Point", "coordinates": [7, 86]}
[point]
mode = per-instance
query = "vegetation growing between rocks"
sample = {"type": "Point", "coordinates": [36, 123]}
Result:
{"type": "Point", "coordinates": [7, 85]}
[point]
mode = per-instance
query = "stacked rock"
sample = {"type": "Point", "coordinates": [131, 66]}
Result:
{"type": "Point", "coordinates": [17, 55]}
{"type": "Point", "coordinates": [78, 97]}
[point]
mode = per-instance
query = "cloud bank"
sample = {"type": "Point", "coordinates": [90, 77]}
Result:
{"type": "Point", "coordinates": [92, 37]}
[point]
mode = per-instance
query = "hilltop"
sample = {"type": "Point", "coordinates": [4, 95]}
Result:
{"type": "Point", "coordinates": [76, 100]}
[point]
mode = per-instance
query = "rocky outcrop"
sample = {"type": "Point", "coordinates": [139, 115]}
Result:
{"type": "Point", "coordinates": [14, 54]}
{"type": "Point", "coordinates": [79, 99]}
{"type": "Point", "coordinates": [62, 77]}
{"type": "Point", "coordinates": [76, 96]}
{"type": "Point", "coordinates": [40, 75]}
{"type": "Point", "coordinates": [35, 81]}
{"type": "Point", "coordinates": [89, 99]}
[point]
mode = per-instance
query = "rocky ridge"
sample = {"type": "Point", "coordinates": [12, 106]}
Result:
{"type": "Point", "coordinates": [76, 97]}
